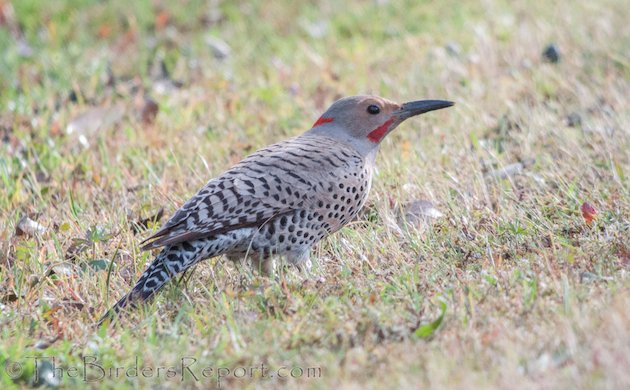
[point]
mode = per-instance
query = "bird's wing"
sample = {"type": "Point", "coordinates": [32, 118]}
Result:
{"type": "Point", "coordinates": [273, 181]}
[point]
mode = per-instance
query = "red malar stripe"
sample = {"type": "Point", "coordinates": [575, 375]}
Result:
{"type": "Point", "coordinates": [323, 120]}
{"type": "Point", "coordinates": [377, 134]}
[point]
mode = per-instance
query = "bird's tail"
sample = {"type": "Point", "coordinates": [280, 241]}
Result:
{"type": "Point", "coordinates": [168, 263]}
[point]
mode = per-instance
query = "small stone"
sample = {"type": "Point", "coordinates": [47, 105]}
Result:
{"type": "Point", "coordinates": [588, 277]}
{"type": "Point", "coordinates": [87, 124]}
{"type": "Point", "coordinates": [420, 213]}
{"type": "Point", "coordinates": [316, 29]}
{"type": "Point", "coordinates": [72, 96]}
{"type": "Point", "coordinates": [574, 120]}
{"type": "Point", "coordinates": [507, 171]}
{"type": "Point", "coordinates": [27, 226]}
{"type": "Point", "coordinates": [45, 342]}
{"type": "Point", "coordinates": [63, 269]}
{"type": "Point", "coordinates": [220, 48]}
{"type": "Point", "coordinates": [24, 49]}
{"type": "Point", "coordinates": [165, 86]}
{"type": "Point", "coordinates": [453, 49]}
{"type": "Point", "coordinates": [551, 53]}
{"type": "Point", "coordinates": [537, 178]}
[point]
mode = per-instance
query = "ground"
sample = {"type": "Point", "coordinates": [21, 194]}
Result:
{"type": "Point", "coordinates": [111, 111]}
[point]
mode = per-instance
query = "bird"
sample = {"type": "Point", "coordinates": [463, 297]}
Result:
{"type": "Point", "coordinates": [281, 200]}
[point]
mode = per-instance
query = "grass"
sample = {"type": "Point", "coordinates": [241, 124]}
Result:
{"type": "Point", "coordinates": [510, 288]}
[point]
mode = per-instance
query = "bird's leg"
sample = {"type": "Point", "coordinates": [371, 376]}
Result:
{"type": "Point", "coordinates": [303, 262]}
{"type": "Point", "coordinates": [265, 265]}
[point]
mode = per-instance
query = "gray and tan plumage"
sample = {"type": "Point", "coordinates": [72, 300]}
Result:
{"type": "Point", "coordinates": [282, 199]}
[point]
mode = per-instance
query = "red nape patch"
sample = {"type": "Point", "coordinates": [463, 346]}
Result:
{"type": "Point", "coordinates": [377, 134]}
{"type": "Point", "coordinates": [322, 120]}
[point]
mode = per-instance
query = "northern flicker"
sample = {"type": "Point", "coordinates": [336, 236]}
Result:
{"type": "Point", "coordinates": [282, 199]}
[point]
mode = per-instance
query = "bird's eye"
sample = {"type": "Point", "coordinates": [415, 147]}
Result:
{"type": "Point", "coordinates": [373, 109]}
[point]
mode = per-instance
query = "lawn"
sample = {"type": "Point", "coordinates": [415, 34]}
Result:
{"type": "Point", "coordinates": [112, 114]}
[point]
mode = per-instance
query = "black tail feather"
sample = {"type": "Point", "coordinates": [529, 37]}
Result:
{"type": "Point", "coordinates": [170, 262]}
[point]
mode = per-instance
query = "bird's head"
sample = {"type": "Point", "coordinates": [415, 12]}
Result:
{"type": "Point", "coordinates": [363, 121]}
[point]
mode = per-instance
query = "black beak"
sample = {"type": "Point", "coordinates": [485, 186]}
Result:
{"type": "Point", "coordinates": [409, 109]}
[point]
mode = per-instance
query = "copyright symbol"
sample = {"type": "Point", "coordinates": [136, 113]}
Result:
{"type": "Point", "coordinates": [13, 369]}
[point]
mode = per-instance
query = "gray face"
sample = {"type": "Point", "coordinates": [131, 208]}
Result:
{"type": "Point", "coordinates": [364, 121]}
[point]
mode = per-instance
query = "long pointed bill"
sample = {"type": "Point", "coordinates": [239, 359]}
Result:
{"type": "Point", "coordinates": [409, 109]}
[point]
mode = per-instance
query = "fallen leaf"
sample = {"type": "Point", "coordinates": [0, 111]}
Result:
{"type": "Point", "coordinates": [623, 253]}
{"type": "Point", "coordinates": [588, 212]}
{"type": "Point", "coordinates": [149, 111]}
{"type": "Point", "coordinates": [9, 297]}
{"type": "Point", "coordinates": [71, 304]}
{"type": "Point", "coordinates": [126, 40]}
{"type": "Point", "coordinates": [77, 247]}
{"type": "Point", "coordinates": [427, 330]}
{"type": "Point", "coordinates": [104, 31]}
{"type": "Point", "coordinates": [162, 19]}
{"type": "Point", "coordinates": [97, 265]}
